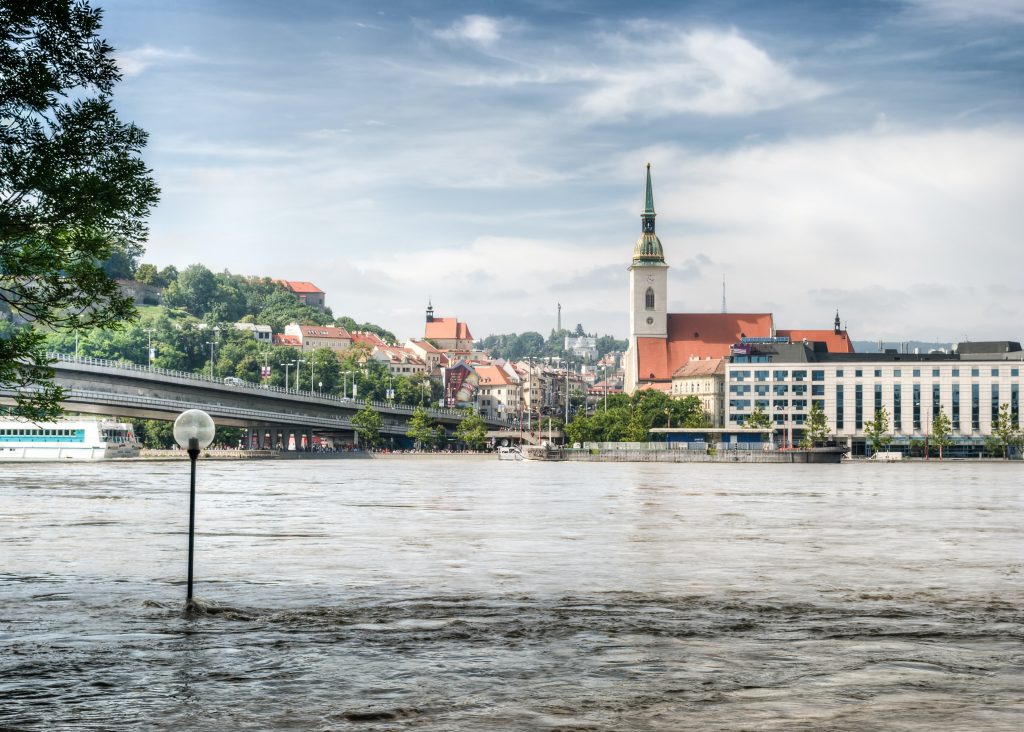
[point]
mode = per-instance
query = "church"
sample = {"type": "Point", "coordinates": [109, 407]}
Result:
{"type": "Point", "coordinates": [661, 343]}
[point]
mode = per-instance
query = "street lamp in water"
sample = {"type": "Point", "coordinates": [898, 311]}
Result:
{"type": "Point", "coordinates": [193, 431]}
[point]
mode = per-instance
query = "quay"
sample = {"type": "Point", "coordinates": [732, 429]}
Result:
{"type": "Point", "coordinates": [649, 453]}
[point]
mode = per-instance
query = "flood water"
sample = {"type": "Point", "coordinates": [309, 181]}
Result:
{"type": "Point", "coordinates": [473, 594]}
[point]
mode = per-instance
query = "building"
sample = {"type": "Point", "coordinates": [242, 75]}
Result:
{"type": "Point", "coordinates": [582, 346]}
{"type": "Point", "coordinates": [969, 386]}
{"type": "Point", "coordinates": [399, 360]}
{"type": "Point", "coordinates": [660, 343]}
{"type": "Point", "coordinates": [704, 379]}
{"type": "Point", "coordinates": [499, 392]}
{"type": "Point", "coordinates": [432, 357]}
{"type": "Point", "coordinates": [306, 292]}
{"type": "Point", "coordinates": [447, 334]}
{"type": "Point", "coordinates": [262, 333]}
{"type": "Point", "coordinates": [312, 337]}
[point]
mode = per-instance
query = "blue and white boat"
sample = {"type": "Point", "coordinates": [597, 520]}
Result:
{"type": "Point", "coordinates": [68, 439]}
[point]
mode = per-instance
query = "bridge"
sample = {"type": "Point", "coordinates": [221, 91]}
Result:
{"type": "Point", "coordinates": [271, 415]}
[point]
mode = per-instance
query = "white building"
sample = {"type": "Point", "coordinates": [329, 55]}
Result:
{"type": "Point", "coordinates": [968, 386]}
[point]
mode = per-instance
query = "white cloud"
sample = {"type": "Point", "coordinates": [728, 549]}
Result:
{"type": "Point", "coordinates": [700, 72]}
{"type": "Point", "coordinates": [133, 62]}
{"type": "Point", "coordinates": [479, 29]}
{"type": "Point", "coordinates": [852, 216]}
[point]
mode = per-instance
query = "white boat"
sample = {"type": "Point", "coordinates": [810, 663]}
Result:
{"type": "Point", "coordinates": [509, 453]}
{"type": "Point", "coordinates": [67, 439]}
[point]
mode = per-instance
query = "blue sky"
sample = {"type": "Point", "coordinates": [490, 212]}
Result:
{"type": "Point", "coordinates": [817, 155]}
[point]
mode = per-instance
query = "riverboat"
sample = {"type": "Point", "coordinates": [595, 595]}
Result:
{"type": "Point", "coordinates": [69, 439]}
{"type": "Point", "coordinates": [509, 453]}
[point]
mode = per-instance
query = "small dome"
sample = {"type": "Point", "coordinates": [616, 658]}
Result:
{"type": "Point", "coordinates": [648, 250]}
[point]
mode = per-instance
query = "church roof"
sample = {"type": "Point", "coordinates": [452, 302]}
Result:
{"type": "Point", "coordinates": [447, 329]}
{"type": "Point", "coordinates": [697, 335]}
{"type": "Point", "coordinates": [835, 342]}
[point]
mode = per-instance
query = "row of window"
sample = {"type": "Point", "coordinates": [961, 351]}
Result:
{"type": "Point", "coordinates": [27, 432]}
{"type": "Point", "coordinates": [819, 375]}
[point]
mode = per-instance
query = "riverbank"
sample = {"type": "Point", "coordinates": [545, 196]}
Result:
{"type": "Point", "coordinates": [823, 455]}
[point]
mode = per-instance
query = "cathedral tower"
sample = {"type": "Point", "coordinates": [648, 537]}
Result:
{"type": "Point", "coordinates": [648, 279]}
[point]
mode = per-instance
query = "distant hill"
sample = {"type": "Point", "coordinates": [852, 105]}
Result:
{"type": "Point", "coordinates": [901, 346]}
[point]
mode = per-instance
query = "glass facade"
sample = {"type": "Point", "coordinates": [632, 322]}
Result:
{"type": "Point", "coordinates": [975, 406]}
{"type": "Point", "coordinates": [917, 407]}
{"type": "Point", "coordinates": [858, 406]}
{"type": "Point", "coordinates": [995, 403]}
{"type": "Point", "coordinates": [839, 406]}
{"type": "Point", "coordinates": [956, 407]}
{"type": "Point", "coordinates": [897, 407]}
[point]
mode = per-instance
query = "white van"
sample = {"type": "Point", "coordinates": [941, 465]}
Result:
{"type": "Point", "coordinates": [232, 381]}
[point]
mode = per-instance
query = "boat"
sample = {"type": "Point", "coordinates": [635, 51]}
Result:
{"type": "Point", "coordinates": [67, 439]}
{"type": "Point", "coordinates": [509, 453]}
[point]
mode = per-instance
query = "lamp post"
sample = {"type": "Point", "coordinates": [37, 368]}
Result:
{"type": "Point", "coordinates": [287, 365]}
{"type": "Point", "coordinates": [149, 352]}
{"type": "Point", "coordinates": [298, 370]}
{"type": "Point", "coordinates": [194, 431]}
{"type": "Point", "coordinates": [311, 381]}
{"type": "Point", "coordinates": [210, 344]}
{"type": "Point", "coordinates": [567, 365]}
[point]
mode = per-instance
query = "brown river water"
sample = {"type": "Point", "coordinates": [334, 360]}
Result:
{"type": "Point", "coordinates": [474, 594]}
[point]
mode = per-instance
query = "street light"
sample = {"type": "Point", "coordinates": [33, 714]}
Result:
{"type": "Point", "coordinates": [194, 431]}
{"type": "Point", "coordinates": [298, 371]}
{"type": "Point", "coordinates": [211, 344]}
{"type": "Point", "coordinates": [287, 365]}
{"type": "Point", "coordinates": [149, 332]}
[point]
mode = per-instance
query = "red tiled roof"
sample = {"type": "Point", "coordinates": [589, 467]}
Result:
{"type": "Point", "coordinates": [323, 331]}
{"type": "Point", "coordinates": [298, 286]}
{"type": "Point", "coordinates": [835, 342]}
{"type": "Point", "coordinates": [703, 367]}
{"type": "Point", "coordinates": [370, 339]}
{"type": "Point", "coordinates": [280, 339]}
{"type": "Point", "coordinates": [447, 329]}
{"type": "Point", "coordinates": [696, 335]}
{"type": "Point", "coordinates": [491, 375]}
{"type": "Point", "coordinates": [425, 346]}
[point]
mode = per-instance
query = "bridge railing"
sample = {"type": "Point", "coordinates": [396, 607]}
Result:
{"type": "Point", "coordinates": [129, 366]}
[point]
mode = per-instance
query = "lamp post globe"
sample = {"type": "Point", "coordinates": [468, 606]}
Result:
{"type": "Point", "coordinates": [193, 430]}
{"type": "Point", "coordinates": [194, 424]}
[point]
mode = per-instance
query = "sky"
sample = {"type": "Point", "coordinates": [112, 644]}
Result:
{"type": "Point", "coordinates": [490, 156]}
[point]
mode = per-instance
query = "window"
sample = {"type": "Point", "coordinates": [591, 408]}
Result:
{"type": "Point", "coordinates": [917, 407]}
{"type": "Point", "coordinates": [780, 389]}
{"type": "Point", "coordinates": [857, 373]}
{"type": "Point", "coordinates": [995, 402]}
{"type": "Point", "coordinates": [995, 372]}
{"type": "Point", "coordinates": [799, 376]}
{"type": "Point", "coordinates": [878, 373]}
{"type": "Point", "coordinates": [739, 375]}
{"type": "Point", "coordinates": [817, 376]}
{"type": "Point", "coordinates": [858, 406]}
{"type": "Point", "coordinates": [800, 404]}
{"type": "Point", "coordinates": [917, 373]}
{"type": "Point", "coordinates": [839, 406]}
{"type": "Point", "coordinates": [956, 407]}
{"type": "Point", "coordinates": [975, 407]}
{"type": "Point", "coordinates": [956, 372]}
{"type": "Point", "coordinates": [935, 373]}
{"type": "Point", "coordinates": [936, 403]}
{"type": "Point", "coordinates": [761, 376]}
{"type": "Point", "coordinates": [761, 389]}
{"type": "Point", "coordinates": [897, 407]}
{"type": "Point", "coordinates": [649, 299]}
{"type": "Point", "coordinates": [897, 372]}
{"type": "Point", "coordinates": [839, 373]}
{"type": "Point", "coordinates": [780, 375]}
{"type": "Point", "coordinates": [800, 389]}
{"type": "Point", "coordinates": [1014, 372]}
{"type": "Point", "coordinates": [1015, 404]}
{"type": "Point", "coordinates": [878, 397]}
{"type": "Point", "coordinates": [781, 403]}
{"type": "Point", "coordinates": [975, 372]}
{"type": "Point", "coordinates": [818, 390]}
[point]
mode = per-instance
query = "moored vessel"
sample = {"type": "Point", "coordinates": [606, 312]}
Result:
{"type": "Point", "coordinates": [67, 439]}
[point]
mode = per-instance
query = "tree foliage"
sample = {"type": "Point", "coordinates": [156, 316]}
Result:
{"type": "Point", "coordinates": [758, 420]}
{"type": "Point", "coordinates": [472, 431]}
{"type": "Point", "coordinates": [817, 430]}
{"type": "Point", "coordinates": [629, 418]}
{"type": "Point", "coordinates": [877, 430]}
{"type": "Point", "coordinates": [367, 423]}
{"type": "Point", "coordinates": [74, 191]}
{"type": "Point", "coordinates": [942, 431]}
{"type": "Point", "coordinates": [1006, 431]}
{"type": "Point", "coordinates": [421, 428]}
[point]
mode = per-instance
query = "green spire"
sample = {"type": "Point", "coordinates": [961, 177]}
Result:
{"type": "Point", "coordinates": [648, 249]}
{"type": "Point", "coordinates": [649, 203]}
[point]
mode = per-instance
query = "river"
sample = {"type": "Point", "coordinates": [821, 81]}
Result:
{"type": "Point", "coordinates": [473, 594]}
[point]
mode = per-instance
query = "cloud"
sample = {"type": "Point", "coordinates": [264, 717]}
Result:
{"type": "Point", "coordinates": [706, 72]}
{"type": "Point", "coordinates": [133, 62]}
{"type": "Point", "coordinates": [867, 222]}
{"type": "Point", "coordinates": [478, 29]}
{"type": "Point", "coordinates": [957, 11]}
